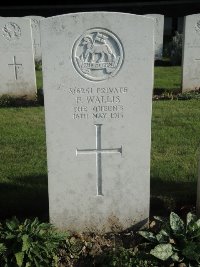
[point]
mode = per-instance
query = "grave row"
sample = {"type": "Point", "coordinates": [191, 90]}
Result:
{"type": "Point", "coordinates": [98, 82]}
{"type": "Point", "coordinates": [20, 46]}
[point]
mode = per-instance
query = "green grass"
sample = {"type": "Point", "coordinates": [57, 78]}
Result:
{"type": "Point", "coordinates": [39, 79]}
{"type": "Point", "coordinates": [23, 166]}
{"type": "Point", "coordinates": [175, 152]}
{"type": "Point", "coordinates": [167, 78]}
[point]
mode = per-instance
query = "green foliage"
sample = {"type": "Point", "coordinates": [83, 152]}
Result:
{"type": "Point", "coordinates": [70, 251]}
{"type": "Point", "coordinates": [38, 65]}
{"type": "Point", "coordinates": [175, 241]}
{"type": "Point", "coordinates": [195, 94]}
{"type": "Point", "coordinates": [11, 101]}
{"type": "Point", "coordinates": [6, 100]}
{"type": "Point", "coordinates": [124, 257]}
{"type": "Point", "coordinates": [29, 244]}
{"type": "Point", "coordinates": [174, 49]}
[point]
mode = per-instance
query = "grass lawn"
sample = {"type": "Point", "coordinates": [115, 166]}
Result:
{"type": "Point", "coordinates": [167, 78]}
{"type": "Point", "coordinates": [23, 166]}
{"type": "Point", "coordinates": [39, 79]}
{"type": "Point", "coordinates": [175, 152]}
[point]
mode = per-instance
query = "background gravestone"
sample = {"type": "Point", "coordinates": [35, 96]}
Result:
{"type": "Point", "coordinates": [98, 82]}
{"type": "Point", "coordinates": [35, 25]}
{"type": "Point", "coordinates": [17, 68]}
{"type": "Point", "coordinates": [158, 34]}
{"type": "Point", "coordinates": [191, 53]}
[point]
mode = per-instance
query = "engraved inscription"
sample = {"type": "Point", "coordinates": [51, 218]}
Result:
{"type": "Point", "coordinates": [16, 67]}
{"type": "Point", "coordinates": [35, 23]}
{"type": "Point", "coordinates": [11, 31]}
{"type": "Point", "coordinates": [36, 47]}
{"type": "Point", "coordinates": [98, 102]}
{"type": "Point", "coordinates": [98, 151]}
{"type": "Point", "coordinates": [197, 27]}
{"type": "Point", "coordinates": [97, 55]}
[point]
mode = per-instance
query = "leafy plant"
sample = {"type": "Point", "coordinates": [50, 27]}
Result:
{"type": "Point", "coordinates": [175, 241]}
{"type": "Point", "coordinates": [173, 49]}
{"type": "Point", "coordinates": [124, 257]}
{"type": "Point", "coordinates": [70, 251]}
{"type": "Point", "coordinates": [5, 100]}
{"type": "Point", "coordinates": [13, 101]}
{"type": "Point", "coordinates": [29, 244]}
{"type": "Point", "coordinates": [176, 49]}
{"type": "Point", "coordinates": [38, 65]}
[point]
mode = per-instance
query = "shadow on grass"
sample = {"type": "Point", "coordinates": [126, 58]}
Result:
{"type": "Point", "coordinates": [174, 91]}
{"type": "Point", "coordinates": [163, 63]}
{"type": "Point", "coordinates": [12, 101]}
{"type": "Point", "coordinates": [26, 197]}
{"type": "Point", "coordinates": [167, 196]}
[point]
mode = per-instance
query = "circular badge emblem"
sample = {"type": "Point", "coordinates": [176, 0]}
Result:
{"type": "Point", "coordinates": [11, 31]}
{"type": "Point", "coordinates": [97, 54]}
{"type": "Point", "coordinates": [35, 23]}
{"type": "Point", "coordinates": [197, 27]}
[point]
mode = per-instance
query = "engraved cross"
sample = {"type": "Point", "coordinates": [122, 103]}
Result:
{"type": "Point", "coordinates": [98, 151]}
{"type": "Point", "coordinates": [16, 68]}
{"type": "Point", "coordinates": [36, 45]}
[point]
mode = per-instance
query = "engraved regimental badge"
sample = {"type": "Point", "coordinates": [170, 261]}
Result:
{"type": "Point", "coordinates": [97, 54]}
{"type": "Point", "coordinates": [197, 27]}
{"type": "Point", "coordinates": [11, 31]}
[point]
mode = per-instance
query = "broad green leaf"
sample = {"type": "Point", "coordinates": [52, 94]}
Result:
{"type": "Point", "coordinates": [191, 218]}
{"type": "Point", "coordinates": [162, 236]}
{"type": "Point", "coordinates": [176, 223]}
{"type": "Point", "coordinates": [19, 258]}
{"type": "Point", "coordinates": [36, 263]}
{"type": "Point", "coordinates": [158, 218]}
{"type": "Point", "coordinates": [26, 243]}
{"type": "Point", "coordinates": [175, 257]}
{"type": "Point", "coordinates": [12, 224]}
{"type": "Point", "coordinates": [148, 235]}
{"type": "Point", "coordinates": [2, 249]}
{"type": "Point", "coordinates": [193, 229]}
{"type": "Point", "coordinates": [162, 251]}
{"type": "Point", "coordinates": [10, 236]}
{"type": "Point", "coordinates": [37, 254]}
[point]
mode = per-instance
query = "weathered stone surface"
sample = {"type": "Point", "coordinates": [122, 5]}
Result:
{"type": "Point", "coordinates": [98, 80]}
{"type": "Point", "coordinates": [191, 53]}
{"type": "Point", "coordinates": [158, 34]}
{"type": "Point", "coordinates": [35, 25]}
{"type": "Point", "coordinates": [17, 68]}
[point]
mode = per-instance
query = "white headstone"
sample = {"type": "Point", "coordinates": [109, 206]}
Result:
{"type": "Point", "coordinates": [98, 80]}
{"type": "Point", "coordinates": [17, 68]}
{"type": "Point", "coordinates": [191, 53]}
{"type": "Point", "coordinates": [158, 34]}
{"type": "Point", "coordinates": [35, 24]}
